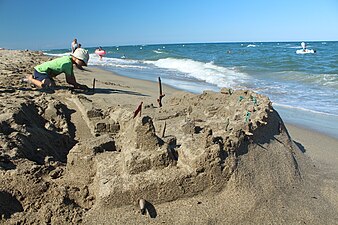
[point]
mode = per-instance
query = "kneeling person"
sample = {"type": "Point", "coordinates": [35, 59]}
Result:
{"type": "Point", "coordinates": [44, 73]}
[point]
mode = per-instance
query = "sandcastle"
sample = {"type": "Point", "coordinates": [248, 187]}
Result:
{"type": "Point", "coordinates": [205, 136]}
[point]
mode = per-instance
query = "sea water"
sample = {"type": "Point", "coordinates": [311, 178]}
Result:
{"type": "Point", "coordinates": [302, 87]}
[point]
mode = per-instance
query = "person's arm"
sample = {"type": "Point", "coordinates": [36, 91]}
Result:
{"type": "Point", "coordinates": [72, 80]}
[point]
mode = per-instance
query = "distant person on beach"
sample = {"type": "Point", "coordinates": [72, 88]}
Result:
{"type": "Point", "coordinates": [44, 73]}
{"type": "Point", "coordinates": [74, 45]}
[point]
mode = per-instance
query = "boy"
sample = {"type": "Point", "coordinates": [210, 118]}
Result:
{"type": "Point", "coordinates": [44, 73]}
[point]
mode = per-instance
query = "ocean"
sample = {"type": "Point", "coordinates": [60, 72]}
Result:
{"type": "Point", "coordinates": [302, 87]}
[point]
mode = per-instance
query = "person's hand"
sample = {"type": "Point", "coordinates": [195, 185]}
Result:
{"type": "Point", "coordinates": [83, 87]}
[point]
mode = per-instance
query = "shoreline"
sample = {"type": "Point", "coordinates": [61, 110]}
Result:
{"type": "Point", "coordinates": [316, 122]}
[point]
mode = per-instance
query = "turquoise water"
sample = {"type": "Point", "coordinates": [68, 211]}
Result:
{"type": "Point", "coordinates": [305, 84]}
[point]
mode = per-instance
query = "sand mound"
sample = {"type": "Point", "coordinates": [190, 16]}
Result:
{"type": "Point", "coordinates": [36, 129]}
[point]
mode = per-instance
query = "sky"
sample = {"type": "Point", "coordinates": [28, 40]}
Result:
{"type": "Point", "coordinates": [43, 24]}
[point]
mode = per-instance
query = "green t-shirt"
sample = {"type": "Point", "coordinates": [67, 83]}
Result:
{"type": "Point", "coordinates": [56, 66]}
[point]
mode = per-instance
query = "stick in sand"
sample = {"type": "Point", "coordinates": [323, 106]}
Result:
{"type": "Point", "coordinates": [163, 129]}
{"type": "Point", "coordinates": [138, 110]}
{"type": "Point", "coordinates": [159, 100]}
{"type": "Point", "coordinates": [94, 85]}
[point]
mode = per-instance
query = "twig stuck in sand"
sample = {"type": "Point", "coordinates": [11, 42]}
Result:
{"type": "Point", "coordinates": [94, 85]}
{"type": "Point", "coordinates": [163, 129]}
{"type": "Point", "coordinates": [159, 100]}
{"type": "Point", "coordinates": [138, 110]}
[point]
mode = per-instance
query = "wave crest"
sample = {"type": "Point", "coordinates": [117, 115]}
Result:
{"type": "Point", "coordinates": [208, 72]}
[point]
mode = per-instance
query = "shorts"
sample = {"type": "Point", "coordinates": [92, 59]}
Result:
{"type": "Point", "coordinates": [44, 78]}
{"type": "Point", "coordinates": [40, 76]}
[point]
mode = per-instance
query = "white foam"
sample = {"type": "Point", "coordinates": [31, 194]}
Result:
{"type": "Point", "coordinates": [305, 51]}
{"type": "Point", "coordinates": [158, 52]}
{"type": "Point", "coordinates": [130, 66]}
{"type": "Point", "coordinates": [94, 60]}
{"type": "Point", "coordinates": [251, 45]}
{"type": "Point", "coordinates": [57, 55]}
{"type": "Point", "coordinates": [208, 72]}
{"type": "Point", "coordinates": [189, 86]}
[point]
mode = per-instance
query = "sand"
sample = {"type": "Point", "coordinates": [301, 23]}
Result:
{"type": "Point", "coordinates": [83, 157]}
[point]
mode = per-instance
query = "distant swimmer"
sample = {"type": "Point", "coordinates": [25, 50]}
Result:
{"type": "Point", "coordinates": [100, 52]}
{"type": "Point", "coordinates": [303, 46]}
{"type": "Point", "coordinates": [304, 50]}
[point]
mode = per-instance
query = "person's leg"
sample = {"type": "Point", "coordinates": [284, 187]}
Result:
{"type": "Point", "coordinates": [41, 80]}
{"type": "Point", "coordinates": [34, 81]}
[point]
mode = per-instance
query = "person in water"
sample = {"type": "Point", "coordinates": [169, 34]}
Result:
{"type": "Point", "coordinates": [303, 46]}
{"type": "Point", "coordinates": [100, 49]}
{"type": "Point", "coordinates": [74, 45]}
{"type": "Point", "coordinates": [45, 72]}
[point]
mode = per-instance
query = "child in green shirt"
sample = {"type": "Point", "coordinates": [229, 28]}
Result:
{"type": "Point", "coordinates": [44, 73]}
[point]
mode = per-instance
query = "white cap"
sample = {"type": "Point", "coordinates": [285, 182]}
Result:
{"type": "Point", "coordinates": [81, 54]}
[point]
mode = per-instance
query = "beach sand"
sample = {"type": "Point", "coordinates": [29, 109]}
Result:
{"type": "Point", "coordinates": [71, 157]}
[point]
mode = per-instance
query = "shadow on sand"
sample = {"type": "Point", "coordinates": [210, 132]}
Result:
{"type": "Point", "coordinates": [300, 146]}
{"type": "Point", "coordinates": [84, 91]}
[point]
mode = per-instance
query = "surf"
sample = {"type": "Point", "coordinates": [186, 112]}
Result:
{"type": "Point", "coordinates": [208, 72]}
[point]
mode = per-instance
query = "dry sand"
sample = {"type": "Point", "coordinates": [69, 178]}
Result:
{"type": "Point", "coordinates": [73, 157]}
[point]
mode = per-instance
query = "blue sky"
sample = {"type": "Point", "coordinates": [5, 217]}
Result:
{"type": "Point", "coordinates": [42, 24]}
